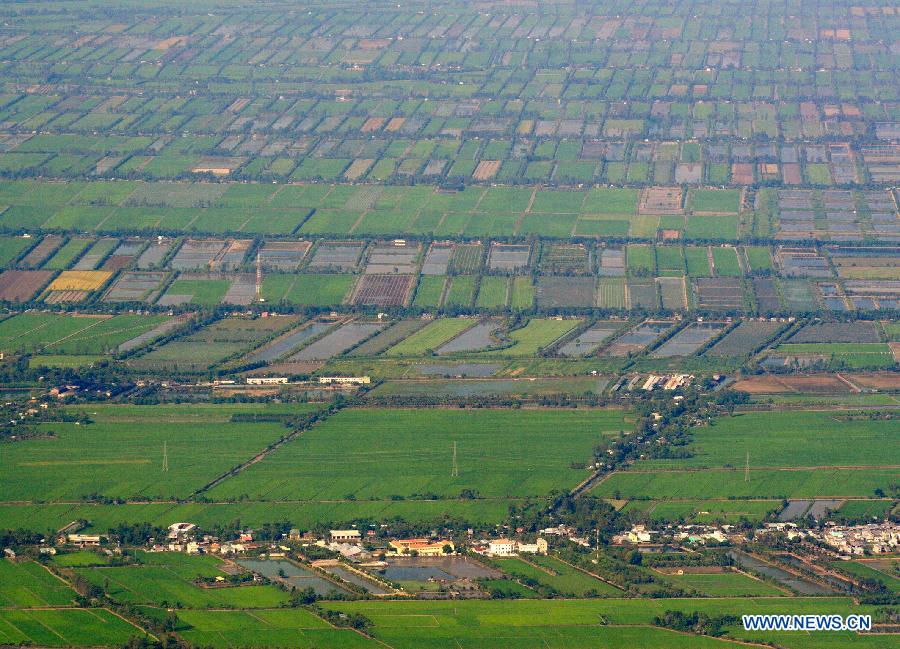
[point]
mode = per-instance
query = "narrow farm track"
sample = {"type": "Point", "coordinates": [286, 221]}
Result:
{"type": "Point", "coordinates": [588, 572]}
{"type": "Point", "coordinates": [257, 458]}
{"type": "Point", "coordinates": [853, 387]}
{"type": "Point", "coordinates": [766, 468]}
{"type": "Point", "coordinates": [280, 501]}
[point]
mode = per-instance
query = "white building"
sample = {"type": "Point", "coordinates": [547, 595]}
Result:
{"type": "Point", "coordinates": [344, 380]}
{"type": "Point", "coordinates": [502, 548]}
{"type": "Point", "coordinates": [340, 536]}
{"type": "Point", "coordinates": [511, 547]}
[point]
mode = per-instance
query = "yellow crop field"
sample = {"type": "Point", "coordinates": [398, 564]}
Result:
{"type": "Point", "coordinates": [80, 280]}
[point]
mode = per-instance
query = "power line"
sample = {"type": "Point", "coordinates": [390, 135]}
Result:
{"type": "Point", "coordinates": [454, 472]}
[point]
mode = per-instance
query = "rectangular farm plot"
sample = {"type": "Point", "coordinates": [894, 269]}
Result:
{"type": "Point", "coordinates": [611, 292]}
{"type": "Point", "coordinates": [492, 292]}
{"type": "Point", "coordinates": [637, 339]}
{"type": "Point", "coordinates": [283, 255]}
{"type": "Point", "coordinates": [556, 574]}
{"type": "Point", "coordinates": [437, 259]}
{"type": "Point", "coordinates": [765, 291]}
{"type": "Point", "coordinates": [383, 290]}
{"type": "Point", "coordinates": [12, 247]}
{"type": "Point", "coordinates": [120, 454]}
{"type": "Point", "coordinates": [508, 257]}
{"type": "Point", "coordinates": [65, 627]}
{"type": "Point", "coordinates": [136, 286]}
{"type": "Point", "coordinates": [799, 438]}
{"type": "Point", "coordinates": [560, 292]}
{"type": "Point", "coordinates": [29, 584]}
{"type": "Point", "coordinates": [641, 259]}
{"type": "Point", "coordinates": [288, 342]}
{"type": "Point", "coordinates": [697, 261]}
{"type": "Point", "coordinates": [212, 344]}
{"type": "Point", "coordinates": [588, 341]}
{"type": "Point", "coordinates": [562, 258]}
{"type": "Point", "coordinates": [798, 262]}
{"type": "Point", "coordinates": [194, 254]}
{"type": "Point", "coordinates": [837, 332]}
{"type": "Point", "coordinates": [611, 201]}
{"type": "Point", "coordinates": [41, 252]}
{"type": "Point", "coordinates": [715, 201]}
{"type": "Point", "coordinates": [461, 291]}
{"type": "Point", "coordinates": [404, 452]}
{"type": "Point", "coordinates": [688, 340]}
{"type": "Point", "coordinates": [232, 255]}
{"type": "Point", "coordinates": [612, 262]}
{"type": "Point", "coordinates": [723, 584]}
{"type": "Point", "coordinates": [712, 227]}
{"type": "Point", "coordinates": [307, 289]}
{"type": "Point", "coordinates": [67, 253]}
{"type": "Point", "coordinates": [466, 258]}
{"type": "Point", "coordinates": [203, 290]}
{"type": "Point", "coordinates": [866, 267]}
{"type": "Point", "coordinates": [759, 258]}
{"type": "Point", "coordinates": [744, 339]}
{"type": "Point", "coordinates": [431, 337]}
{"type": "Point", "coordinates": [64, 297]}
{"type": "Point", "coordinates": [473, 339]}
{"type": "Point", "coordinates": [241, 290]}
{"type": "Point", "coordinates": [661, 200]}
{"type": "Point", "coordinates": [298, 628]}
{"type": "Point", "coordinates": [392, 258]}
{"type": "Point", "coordinates": [29, 332]}
{"type": "Point", "coordinates": [486, 169]}
{"type": "Point", "coordinates": [22, 285]}
{"type": "Point", "coordinates": [522, 293]}
{"type": "Point", "coordinates": [672, 292]}
{"type": "Point", "coordinates": [388, 338]}
{"type": "Point", "coordinates": [104, 334]}
{"type": "Point", "coordinates": [337, 342]}
{"type": "Point", "coordinates": [430, 291]}
{"type": "Point", "coordinates": [730, 483]}
{"type": "Point", "coordinates": [536, 335]}
{"type": "Point", "coordinates": [341, 256]}
{"type": "Point", "coordinates": [799, 296]}
{"type": "Point", "coordinates": [75, 285]}
{"type": "Point", "coordinates": [725, 262]}
{"type": "Point", "coordinates": [170, 577]}
{"type": "Point", "coordinates": [642, 293]}
{"type": "Point", "coordinates": [154, 255]}
{"type": "Point", "coordinates": [852, 355]}
{"type": "Point", "coordinates": [719, 294]}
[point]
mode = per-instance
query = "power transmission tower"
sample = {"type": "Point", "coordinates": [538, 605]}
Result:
{"type": "Point", "coordinates": [454, 472]}
{"type": "Point", "coordinates": [258, 278]}
{"type": "Point", "coordinates": [165, 457]}
{"type": "Point", "coordinates": [747, 469]}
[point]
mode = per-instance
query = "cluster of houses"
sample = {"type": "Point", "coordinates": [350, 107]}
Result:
{"type": "Point", "coordinates": [350, 543]}
{"type": "Point", "coordinates": [686, 534]}
{"type": "Point", "coordinates": [848, 540]}
{"type": "Point", "coordinates": [650, 382]}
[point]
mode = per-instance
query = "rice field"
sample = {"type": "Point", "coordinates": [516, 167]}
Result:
{"type": "Point", "coordinates": [500, 453]}
{"type": "Point", "coordinates": [430, 337]}
{"type": "Point", "coordinates": [120, 452]}
{"type": "Point", "coordinates": [536, 335]}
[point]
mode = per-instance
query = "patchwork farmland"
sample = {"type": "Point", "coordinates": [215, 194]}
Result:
{"type": "Point", "coordinates": [511, 324]}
